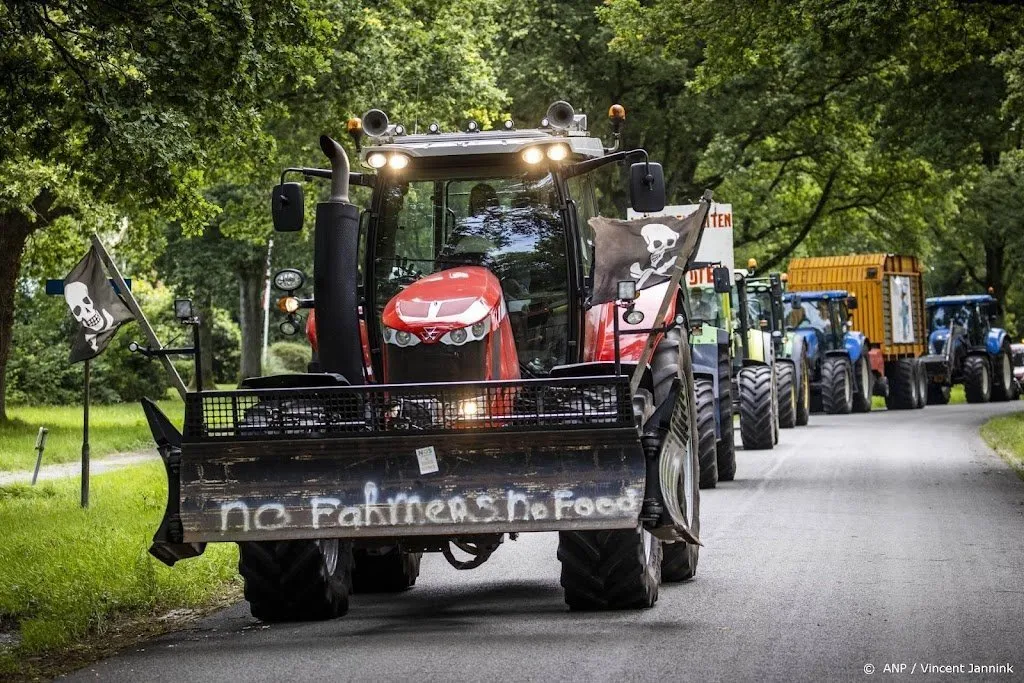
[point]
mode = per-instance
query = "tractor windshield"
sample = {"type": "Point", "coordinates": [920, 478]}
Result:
{"type": "Point", "coordinates": [759, 306]}
{"type": "Point", "coordinates": [809, 314]}
{"type": "Point", "coordinates": [943, 316]}
{"type": "Point", "coordinates": [706, 305]}
{"type": "Point", "coordinates": [508, 225]}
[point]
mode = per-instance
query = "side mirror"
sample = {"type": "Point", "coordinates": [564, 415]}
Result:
{"type": "Point", "coordinates": [851, 303]}
{"type": "Point", "coordinates": [776, 334]}
{"type": "Point", "coordinates": [647, 187]}
{"type": "Point", "coordinates": [795, 300]}
{"type": "Point", "coordinates": [286, 207]}
{"type": "Point", "coordinates": [722, 279]}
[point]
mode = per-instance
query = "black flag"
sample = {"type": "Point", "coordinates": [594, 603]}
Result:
{"type": "Point", "coordinates": [96, 307]}
{"type": "Point", "coordinates": [644, 250]}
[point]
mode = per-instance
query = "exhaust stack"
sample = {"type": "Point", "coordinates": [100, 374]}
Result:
{"type": "Point", "coordinates": [336, 272]}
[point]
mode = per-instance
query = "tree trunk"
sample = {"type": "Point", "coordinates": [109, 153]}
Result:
{"type": "Point", "coordinates": [250, 317]}
{"type": "Point", "coordinates": [995, 255]}
{"type": "Point", "coordinates": [14, 230]}
{"type": "Point", "coordinates": [205, 306]}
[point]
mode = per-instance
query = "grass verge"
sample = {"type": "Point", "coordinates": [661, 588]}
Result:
{"type": "Point", "coordinates": [73, 582]}
{"type": "Point", "coordinates": [118, 428]}
{"type": "Point", "coordinates": [1005, 434]}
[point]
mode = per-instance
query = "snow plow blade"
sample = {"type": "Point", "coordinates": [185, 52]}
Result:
{"type": "Point", "coordinates": [406, 460]}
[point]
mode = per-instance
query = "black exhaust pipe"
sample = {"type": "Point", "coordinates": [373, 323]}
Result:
{"type": "Point", "coordinates": [336, 273]}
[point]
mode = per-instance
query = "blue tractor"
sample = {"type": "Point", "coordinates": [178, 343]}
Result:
{"type": "Point", "coordinates": [964, 347]}
{"type": "Point", "coordinates": [832, 350]}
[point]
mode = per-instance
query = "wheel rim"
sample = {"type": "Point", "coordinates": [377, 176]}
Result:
{"type": "Point", "coordinates": [985, 381]}
{"type": "Point", "coordinates": [648, 545]}
{"type": "Point", "coordinates": [805, 381]}
{"type": "Point", "coordinates": [849, 387]}
{"type": "Point", "coordinates": [688, 471]}
{"type": "Point", "coordinates": [1007, 372]}
{"type": "Point", "coordinates": [865, 378]}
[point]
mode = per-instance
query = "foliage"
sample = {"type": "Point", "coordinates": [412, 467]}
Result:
{"type": "Point", "coordinates": [1006, 435]}
{"type": "Point", "coordinates": [68, 574]}
{"type": "Point", "coordinates": [288, 357]}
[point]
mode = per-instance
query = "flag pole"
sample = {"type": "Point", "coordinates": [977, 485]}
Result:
{"type": "Point", "coordinates": [133, 306]}
{"type": "Point", "coordinates": [85, 439]}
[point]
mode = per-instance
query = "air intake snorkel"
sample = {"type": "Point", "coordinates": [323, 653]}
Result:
{"type": "Point", "coordinates": [336, 272]}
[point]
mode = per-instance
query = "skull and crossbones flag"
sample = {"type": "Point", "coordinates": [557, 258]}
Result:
{"type": "Point", "coordinates": [644, 250]}
{"type": "Point", "coordinates": [95, 306]}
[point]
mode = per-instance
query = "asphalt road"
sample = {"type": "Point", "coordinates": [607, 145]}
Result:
{"type": "Point", "coordinates": [888, 538]}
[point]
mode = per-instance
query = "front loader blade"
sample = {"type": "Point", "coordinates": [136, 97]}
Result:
{"type": "Point", "coordinates": [168, 546]}
{"type": "Point", "coordinates": [404, 460]}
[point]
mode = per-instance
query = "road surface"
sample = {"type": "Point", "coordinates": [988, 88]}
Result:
{"type": "Point", "coordinates": [862, 541]}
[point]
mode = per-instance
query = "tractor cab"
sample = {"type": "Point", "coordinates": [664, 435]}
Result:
{"type": "Point", "coordinates": [970, 317]}
{"type": "Point", "coordinates": [823, 316]}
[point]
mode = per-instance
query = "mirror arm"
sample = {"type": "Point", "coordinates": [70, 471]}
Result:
{"type": "Point", "coordinates": [361, 179]}
{"type": "Point", "coordinates": [592, 164]}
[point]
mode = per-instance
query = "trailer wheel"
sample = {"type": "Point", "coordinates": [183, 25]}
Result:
{"type": "Point", "coordinates": [787, 395]}
{"type": "Point", "coordinates": [865, 388]}
{"type": "Point", "coordinates": [726, 446]}
{"type": "Point", "coordinates": [938, 394]}
{"type": "Point", "coordinates": [1002, 385]}
{"type": "Point", "coordinates": [903, 387]}
{"type": "Point", "coordinates": [977, 380]}
{"type": "Point", "coordinates": [618, 569]}
{"type": "Point", "coordinates": [757, 412]}
{"type": "Point", "coordinates": [390, 571]}
{"type": "Point", "coordinates": [837, 385]}
{"type": "Point", "coordinates": [803, 400]}
{"type": "Point", "coordinates": [705, 441]}
{"type": "Point", "coordinates": [296, 580]}
{"type": "Point", "coordinates": [922, 383]}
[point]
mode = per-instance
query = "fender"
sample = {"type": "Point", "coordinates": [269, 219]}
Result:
{"type": "Point", "coordinates": [854, 342]}
{"type": "Point", "coordinates": [809, 340]}
{"type": "Point", "coordinates": [705, 363]}
{"type": "Point", "coordinates": [995, 340]}
{"type": "Point", "coordinates": [797, 354]}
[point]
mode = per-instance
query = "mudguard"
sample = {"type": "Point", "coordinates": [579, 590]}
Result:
{"type": "Point", "coordinates": [810, 343]}
{"type": "Point", "coordinates": [937, 340]}
{"type": "Point", "coordinates": [855, 342]}
{"type": "Point", "coordinates": [995, 340]}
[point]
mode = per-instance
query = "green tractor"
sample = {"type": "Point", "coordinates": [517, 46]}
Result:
{"type": "Point", "coordinates": [761, 298]}
{"type": "Point", "coordinates": [710, 316]}
{"type": "Point", "coordinates": [755, 372]}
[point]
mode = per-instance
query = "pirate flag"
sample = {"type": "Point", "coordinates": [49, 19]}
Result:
{"type": "Point", "coordinates": [96, 307]}
{"type": "Point", "coordinates": [644, 250]}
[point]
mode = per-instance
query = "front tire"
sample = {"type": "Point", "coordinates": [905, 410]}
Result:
{"type": "Point", "coordinates": [977, 380]}
{"type": "Point", "coordinates": [787, 395]}
{"type": "Point", "coordinates": [618, 569]}
{"type": "Point", "coordinates": [1002, 385]}
{"type": "Point", "coordinates": [938, 394]}
{"type": "Point", "coordinates": [904, 390]}
{"type": "Point", "coordinates": [726, 447]}
{"type": "Point", "coordinates": [865, 388]}
{"type": "Point", "coordinates": [706, 456]}
{"type": "Point", "coordinates": [803, 400]}
{"type": "Point", "coordinates": [757, 409]}
{"type": "Point", "coordinates": [296, 580]}
{"type": "Point", "coordinates": [837, 385]}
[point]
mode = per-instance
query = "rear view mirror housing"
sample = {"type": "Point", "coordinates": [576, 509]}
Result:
{"type": "Point", "coordinates": [795, 300]}
{"type": "Point", "coordinates": [287, 207]}
{"type": "Point", "coordinates": [646, 187]}
{"type": "Point", "coordinates": [851, 303]}
{"type": "Point", "coordinates": [722, 278]}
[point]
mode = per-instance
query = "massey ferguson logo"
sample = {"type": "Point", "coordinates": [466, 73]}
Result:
{"type": "Point", "coordinates": [430, 333]}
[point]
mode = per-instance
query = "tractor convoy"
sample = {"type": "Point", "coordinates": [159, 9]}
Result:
{"type": "Point", "coordinates": [491, 357]}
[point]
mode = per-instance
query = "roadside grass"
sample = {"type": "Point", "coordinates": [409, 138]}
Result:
{"type": "Point", "coordinates": [71, 579]}
{"type": "Point", "coordinates": [956, 396]}
{"type": "Point", "coordinates": [1005, 434]}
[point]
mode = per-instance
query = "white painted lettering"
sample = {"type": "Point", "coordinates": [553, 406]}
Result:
{"type": "Point", "coordinates": [563, 501]}
{"type": "Point", "coordinates": [225, 514]}
{"type": "Point", "coordinates": [514, 499]}
{"type": "Point", "coordinates": [330, 503]}
{"type": "Point", "coordinates": [280, 519]}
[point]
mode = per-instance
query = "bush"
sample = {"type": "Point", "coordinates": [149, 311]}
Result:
{"type": "Point", "coordinates": [288, 357]}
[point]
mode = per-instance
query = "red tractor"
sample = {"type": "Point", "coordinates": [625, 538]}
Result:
{"type": "Point", "coordinates": [465, 386]}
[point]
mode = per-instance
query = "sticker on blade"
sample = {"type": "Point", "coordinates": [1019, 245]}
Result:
{"type": "Point", "coordinates": [427, 458]}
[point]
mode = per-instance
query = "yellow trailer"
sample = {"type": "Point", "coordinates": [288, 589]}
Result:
{"type": "Point", "coordinates": [889, 291]}
{"type": "Point", "coordinates": [890, 312]}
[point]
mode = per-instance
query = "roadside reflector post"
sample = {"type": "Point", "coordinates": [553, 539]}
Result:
{"type": "Point", "coordinates": [40, 446]}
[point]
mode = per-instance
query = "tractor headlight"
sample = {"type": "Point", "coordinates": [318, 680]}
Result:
{"type": "Point", "coordinates": [398, 161]}
{"type": "Point", "coordinates": [475, 332]}
{"type": "Point", "coordinates": [480, 329]}
{"type": "Point", "coordinates": [459, 337]}
{"type": "Point", "coordinates": [558, 152]}
{"type": "Point", "coordinates": [377, 160]}
{"type": "Point", "coordinates": [533, 155]}
{"type": "Point", "coordinates": [469, 408]}
{"type": "Point", "coordinates": [400, 337]}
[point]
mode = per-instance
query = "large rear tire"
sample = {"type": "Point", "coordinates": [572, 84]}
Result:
{"type": "Point", "coordinates": [706, 456]}
{"type": "Point", "coordinates": [296, 580]}
{"type": "Point", "coordinates": [787, 395]}
{"type": "Point", "coordinates": [757, 409]}
{"type": "Point", "coordinates": [803, 400]}
{"type": "Point", "coordinates": [1002, 382]}
{"type": "Point", "coordinates": [726, 446]}
{"type": "Point", "coordinates": [904, 389]}
{"type": "Point", "coordinates": [618, 569]}
{"type": "Point", "coordinates": [865, 387]}
{"type": "Point", "coordinates": [837, 385]}
{"type": "Point", "coordinates": [391, 571]}
{"type": "Point", "coordinates": [922, 383]}
{"type": "Point", "coordinates": [977, 380]}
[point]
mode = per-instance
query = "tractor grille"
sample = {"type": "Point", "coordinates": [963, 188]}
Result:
{"type": "Point", "coordinates": [525, 405]}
